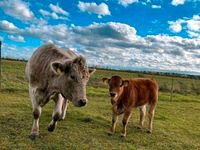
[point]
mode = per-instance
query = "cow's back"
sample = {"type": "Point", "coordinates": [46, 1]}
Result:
{"type": "Point", "coordinates": [38, 69]}
{"type": "Point", "coordinates": [140, 91]}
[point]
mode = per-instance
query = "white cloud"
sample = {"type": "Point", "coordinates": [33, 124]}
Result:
{"type": "Point", "coordinates": [194, 23]}
{"type": "Point", "coordinates": [181, 2]}
{"type": "Point", "coordinates": [44, 12]}
{"type": "Point", "coordinates": [57, 9]}
{"type": "Point", "coordinates": [193, 34]}
{"type": "Point", "coordinates": [1, 38]}
{"type": "Point", "coordinates": [191, 26]}
{"type": "Point", "coordinates": [17, 8]}
{"type": "Point", "coordinates": [8, 27]}
{"type": "Point", "coordinates": [14, 51]}
{"type": "Point", "coordinates": [51, 15]}
{"type": "Point", "coordinates": [177, 2]}
{"type": "Point", "coordinates": [125, 3]}
{"type": "Point", "coordinates": [92, 8]}
{"type": "Point", "coordinates": [155, 6]}
{"type": "Point", "coordinates": [117, 45]}
{"type": "Point", "coordinates": [110, 49]}
{"type": "Point", "coordinates": [16, 38]}
{"type": "Point", "coordinates": [175, 26]}
{"type": "Point", "coordinates": [47, 32]}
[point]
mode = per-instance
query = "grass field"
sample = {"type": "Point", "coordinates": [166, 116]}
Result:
{"type": "Point", "coordinates": [176, 124]}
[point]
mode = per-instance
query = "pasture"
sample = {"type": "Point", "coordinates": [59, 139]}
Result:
{"type": "Point", "coordinates": [176, 123]}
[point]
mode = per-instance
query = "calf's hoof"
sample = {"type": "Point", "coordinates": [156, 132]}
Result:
{"type": "Point", "coordinates": [33, 136]}
{"type": "Point", "coordinates": [51, 128]}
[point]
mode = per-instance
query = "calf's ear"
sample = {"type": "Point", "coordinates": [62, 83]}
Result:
{"type": "Point", "coordinates": [105, 80]}
{"type": "Point", "coordinates": [80, 60]}
{"type": "Point", "coordinates": [125, 83]}
{"type": "Point", "coordinates": [92, 71]}
{"type": "Point", "coordinates": [57, 67]}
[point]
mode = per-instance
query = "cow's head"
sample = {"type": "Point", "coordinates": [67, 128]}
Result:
{"type": "Point", "coordinates": [116, 85]}
{"type": "Point", "coordinates": [71, 77]}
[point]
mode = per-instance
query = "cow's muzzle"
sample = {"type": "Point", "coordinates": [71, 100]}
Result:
{"type": "Point", "coordinates": [82, 102]}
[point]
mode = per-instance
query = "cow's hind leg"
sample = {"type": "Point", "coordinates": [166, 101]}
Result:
{"type": "Point", "coordinates": [142, 116]}
{"type": "Point", "coordinates": [56, 113]}
{"type": "Point", "coordinates": [36, 114]}
{"type": "Point", "coordinates": [151, 117]}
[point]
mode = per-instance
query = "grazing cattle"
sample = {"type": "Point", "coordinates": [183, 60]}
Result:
{"type": "Point", "coordinates": [128, 94]}
{"type": "Point", "coordinates": [59, 75]}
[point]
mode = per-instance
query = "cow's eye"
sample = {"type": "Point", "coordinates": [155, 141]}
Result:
{"type": "Point", "coordinates": [72, 77]}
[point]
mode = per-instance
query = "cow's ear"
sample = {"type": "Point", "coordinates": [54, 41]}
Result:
{"type": "Point", "coordinates": [105, 80]}
{"type": "Point", "coordinates": [57, 67]}
{"type": "Point", "coordinates": [92, 71]}
{"type": "Point", "coordinates": [80, 60]}
{"type": "Point", "coordinates": [125, 83]}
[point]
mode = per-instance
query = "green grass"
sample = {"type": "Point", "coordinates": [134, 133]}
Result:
{"type": "Point", "coordinates": [176, 124]}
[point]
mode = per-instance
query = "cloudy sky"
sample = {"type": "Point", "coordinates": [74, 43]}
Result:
{"type": "Point", "coordinates": [155, 35]}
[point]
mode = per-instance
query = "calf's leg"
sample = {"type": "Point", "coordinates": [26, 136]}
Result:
{"type": "Point", "coordinates": [127, 115]}
{"type": "Point", "coordinates": [151, 117]}
{"type": "Point", "coordinates": [142, 115]}
{"type": "Point", "coordinates": [56, 113]}
{"type": "Point", "coordinates": [114, 121]}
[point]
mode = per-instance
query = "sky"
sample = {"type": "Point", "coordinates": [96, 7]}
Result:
{"type": "Point", "coordinates": [150, 35]}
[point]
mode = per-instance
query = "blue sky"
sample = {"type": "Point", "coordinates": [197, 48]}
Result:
{"type": "Point", "coordinates": [153, 35]}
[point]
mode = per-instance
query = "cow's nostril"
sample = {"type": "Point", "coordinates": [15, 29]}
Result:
{"type": "Point", "coordinates": [82, 102]}
{"type": "Point", "coordinates": [112, 94]}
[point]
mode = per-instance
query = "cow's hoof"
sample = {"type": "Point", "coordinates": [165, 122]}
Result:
{"type": "Point", "coordinates": [51, 128]}
{"type": "Point", "coordinates": [149, 131]}
{"type": "Point", "coordinates": [110, 133]}
{"type": "Point", "coordinates": [61, 119]}
{"type": "Point", "coordinates": [33, 136]}
{"type": "Point", "coordinates": [139, 127]}
{"type": "Point", "coordinates": [122, 135]}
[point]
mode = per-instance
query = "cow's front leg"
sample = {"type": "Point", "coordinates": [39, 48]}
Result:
{"type": "Point", "coordinates": [56, 113]}
{"type": "Point", "coordinates": [36, 113]}
{"type": "Point", "coordinates": [64, 108]}
{"type": "Point", "coordinates": [127, 115]}
{"type": "Point", "coordinates": [114, 121]}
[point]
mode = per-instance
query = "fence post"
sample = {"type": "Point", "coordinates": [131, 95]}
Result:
{"type": "Point", "coordinates": [172, 88]}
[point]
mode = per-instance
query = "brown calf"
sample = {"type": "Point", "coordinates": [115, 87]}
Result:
{"type": "Point", "coordinates": [128, 94]}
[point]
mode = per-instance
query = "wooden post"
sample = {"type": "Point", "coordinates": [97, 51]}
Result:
{"type": "Point", "coordinates": [172, 88]}
{"type": "Point", "coordinates": [0, 65]}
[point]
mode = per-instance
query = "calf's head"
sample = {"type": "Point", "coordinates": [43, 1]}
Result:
{"type": "Point", "coordinates": [71, 77]}
{"type": "Point", "coordinates": [116, 86]}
